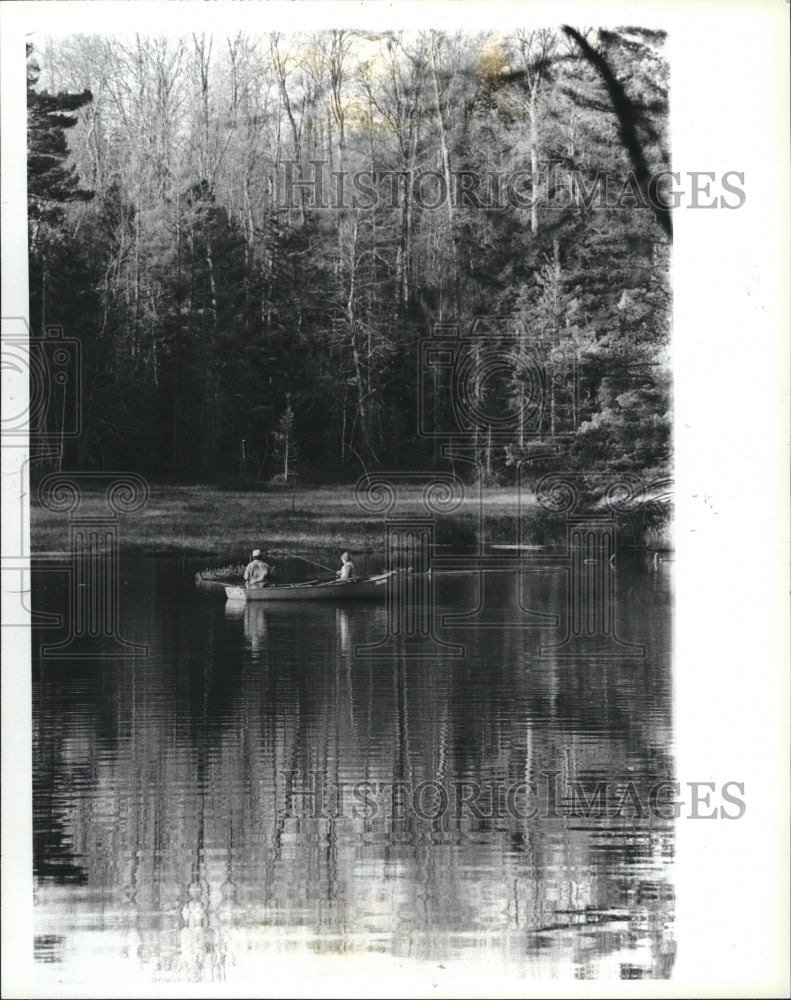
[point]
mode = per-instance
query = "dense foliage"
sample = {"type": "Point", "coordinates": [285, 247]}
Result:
{"type": "Point", "coordinates": [251, 236]}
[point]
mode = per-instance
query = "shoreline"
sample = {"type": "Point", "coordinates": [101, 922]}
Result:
{"type": "Point", "coordinates": [209, 522]}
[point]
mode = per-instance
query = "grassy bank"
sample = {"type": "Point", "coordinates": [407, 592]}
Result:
{"type": "Point", "coordinates": [205, 520]}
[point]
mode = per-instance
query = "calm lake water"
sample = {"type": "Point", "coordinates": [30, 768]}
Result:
{"type": "Point", "coordinates": [259, 786]}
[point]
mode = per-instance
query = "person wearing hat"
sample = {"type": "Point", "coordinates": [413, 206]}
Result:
{"type": "Point", "coordinates": [346, 572]}
{"type": "Point", "coordinates": [256, 574]}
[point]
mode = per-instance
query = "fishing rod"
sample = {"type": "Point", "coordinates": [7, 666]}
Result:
{"type": "Point", "coordinates": [291, 555]}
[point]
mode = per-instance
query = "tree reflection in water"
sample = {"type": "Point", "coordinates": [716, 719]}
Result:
{"type": "Point", "coordinates": [212, 799]}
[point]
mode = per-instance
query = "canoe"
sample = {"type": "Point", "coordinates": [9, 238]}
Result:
{"type": "Point", "coordinates": [330, 590]}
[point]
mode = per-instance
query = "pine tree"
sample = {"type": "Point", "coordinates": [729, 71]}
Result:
{"type": "Point", "coordinates": [52, 181]}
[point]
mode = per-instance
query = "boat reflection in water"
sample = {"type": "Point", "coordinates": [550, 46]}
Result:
{"type": "Point", "coordinates": [254, 792]}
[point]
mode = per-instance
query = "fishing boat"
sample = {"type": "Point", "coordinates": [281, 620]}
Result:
{"type": "Point", "coordinates": [363, 588]}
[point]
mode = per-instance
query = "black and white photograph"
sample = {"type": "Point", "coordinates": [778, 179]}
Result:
{"type": "Point", "coordinates": [395, 451]}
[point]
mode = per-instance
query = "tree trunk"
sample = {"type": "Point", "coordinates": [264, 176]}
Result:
{"type": "Point", "coordinates": [534, 162]}
{"type": "Point", "coordinates": [280, 68]}
{"type": "Point", "coordinates": [441, 133]}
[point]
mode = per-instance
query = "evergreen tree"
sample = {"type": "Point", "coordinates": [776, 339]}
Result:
{"type": "Point", "coordinates": [209, 290]}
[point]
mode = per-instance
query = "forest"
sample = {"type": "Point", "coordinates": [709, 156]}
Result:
{"type": "Point", "coordinates": [256, 239]}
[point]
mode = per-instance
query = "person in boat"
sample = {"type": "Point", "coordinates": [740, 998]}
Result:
{"type": "Point", "coordinates": [346, 572]}
{"type": "Point", "coordinates": [257, 572]}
